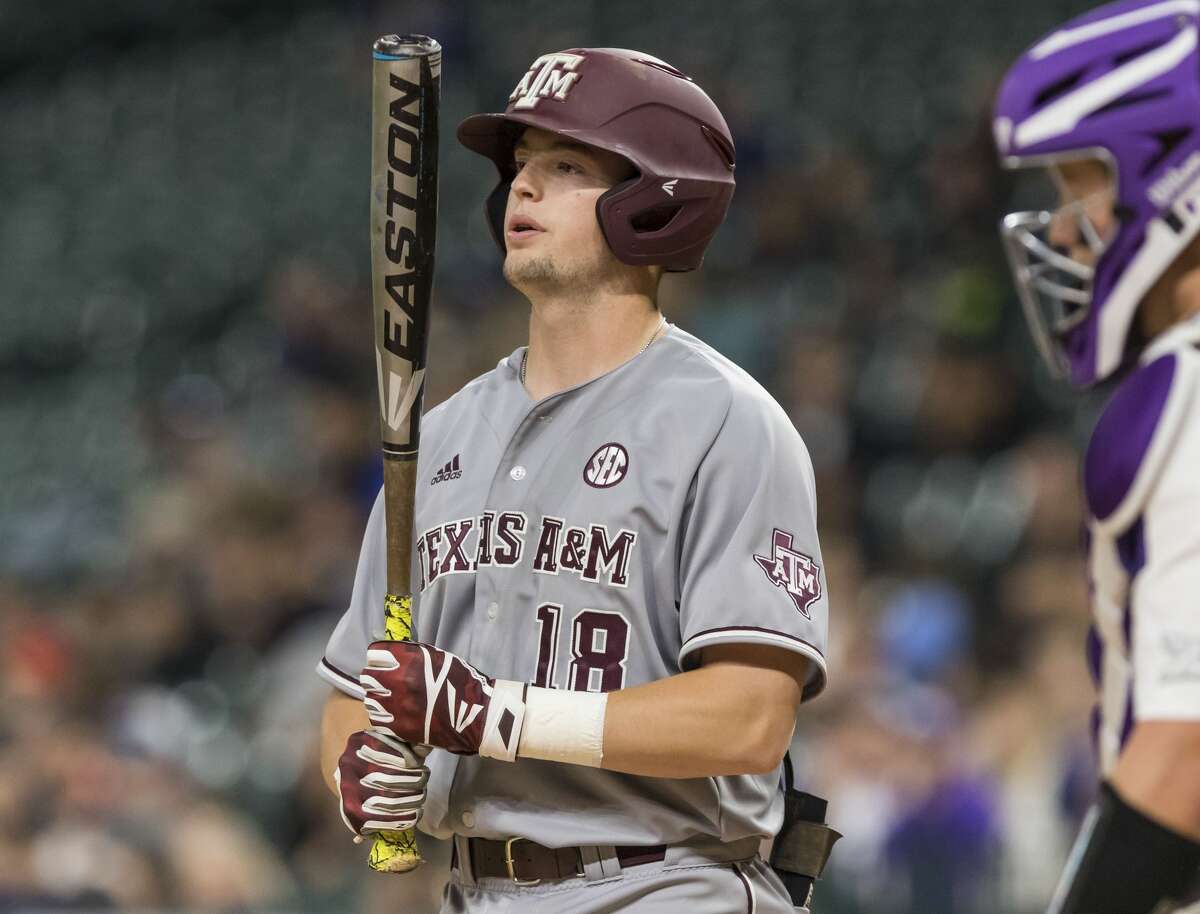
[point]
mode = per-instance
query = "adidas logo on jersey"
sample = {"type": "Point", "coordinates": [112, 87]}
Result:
{"type": "Point", "coordinates": [449, 471]}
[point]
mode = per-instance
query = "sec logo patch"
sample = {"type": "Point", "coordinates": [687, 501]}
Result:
{"type": "Point", "coordinates": [607, 466]}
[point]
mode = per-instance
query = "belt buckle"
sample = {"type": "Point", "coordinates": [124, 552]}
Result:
{"type": "Point", "coordinates": [508, 863]}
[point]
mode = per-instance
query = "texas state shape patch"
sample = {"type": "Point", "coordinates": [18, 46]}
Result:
{"type": "Point", "coordinates": [794, 571]}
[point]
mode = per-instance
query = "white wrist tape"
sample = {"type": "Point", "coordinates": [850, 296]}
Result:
{"type": "Point", "coordinates": [502, 728]}
{"type": "Point", "coordinates": [564, 726]}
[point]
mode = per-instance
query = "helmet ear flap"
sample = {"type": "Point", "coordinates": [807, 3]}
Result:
{"type": "Point", "coordinates": [602, 208]}
{"type": "Point", "coordinates": [647, 224]}
{"type": "Point", "coordinates": [493, 209]}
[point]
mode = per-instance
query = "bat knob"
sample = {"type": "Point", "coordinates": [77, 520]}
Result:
{"type": "Point", "coordinates": [395, 852]}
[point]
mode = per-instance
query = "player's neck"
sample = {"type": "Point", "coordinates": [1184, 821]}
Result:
{"type": "Point", "coordinates": [572, 342]}
{"type": "Point", "coordinates": [1174, 298]}
{"type": "Point", "coordinates": [1187, 297]}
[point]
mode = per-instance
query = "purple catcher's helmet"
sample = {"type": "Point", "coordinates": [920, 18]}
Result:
{"type": "Point", "coordinates": [638, 107]}
{"type": "Point", "coordinates": [1121, 83]}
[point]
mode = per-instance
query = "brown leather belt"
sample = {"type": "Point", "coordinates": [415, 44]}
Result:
{"type": "Point", "coordinates": [527, 863]}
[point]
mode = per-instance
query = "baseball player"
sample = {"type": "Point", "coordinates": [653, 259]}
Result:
{"type": "Point", "coordinates": [1109, 107]}
{"type": "Point", "coordinates": [620, 598]}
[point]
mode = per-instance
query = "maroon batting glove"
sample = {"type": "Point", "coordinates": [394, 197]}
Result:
{"type": "Point", "coordinates": [428, 696]}
{"type": "Point", "coordinates": [381, 783]}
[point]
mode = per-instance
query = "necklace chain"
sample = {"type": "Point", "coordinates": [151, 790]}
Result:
{"type": "Point", "coordinates": [662, 322]}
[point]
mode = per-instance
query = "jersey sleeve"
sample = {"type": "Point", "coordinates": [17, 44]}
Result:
{"type": "Point", "coordinates": [1165, 598]}
{"type": "Point", "coordinates": [346, 652]}
{"type": "Point", "coordinates": [750, 563]}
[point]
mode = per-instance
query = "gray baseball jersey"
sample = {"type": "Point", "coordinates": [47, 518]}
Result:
{"type": "Point", "coordinates": [593, 540]}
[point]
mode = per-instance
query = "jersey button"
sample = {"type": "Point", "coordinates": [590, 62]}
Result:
{"type": "Point", "coordinates": [468, 819]}
{"type": "Point", "coordinates": [493, 611]}
{"type": "Point", "coordinates": [517, 472]}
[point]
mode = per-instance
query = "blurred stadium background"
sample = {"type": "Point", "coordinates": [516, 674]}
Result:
{"type": "Point", "coordinates": [189, 437]}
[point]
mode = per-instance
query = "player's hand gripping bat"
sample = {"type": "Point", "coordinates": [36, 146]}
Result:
{"type": "Point", "coordinates": [404, 134]}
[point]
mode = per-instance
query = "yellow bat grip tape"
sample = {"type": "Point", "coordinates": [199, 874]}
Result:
{"type": "Point", "coordinates": [396, 851]}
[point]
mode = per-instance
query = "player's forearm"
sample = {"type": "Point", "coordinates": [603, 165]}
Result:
{"type": "Point", "coordinates": [1159, 773]}
{"type": "Point", "coordinates": [733, 715]}
{"type": "Point", "coordinates": [721, 719]}
{"type": "Point", "coordinates": [341, 717]}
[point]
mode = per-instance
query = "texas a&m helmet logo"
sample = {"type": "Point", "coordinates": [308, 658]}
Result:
{"type": "Point", "coordinates": [607, 466]}
{"type": "Point", "coordinates": [550, 76]}
{"type": "Point", "coordinates": [794, 571]}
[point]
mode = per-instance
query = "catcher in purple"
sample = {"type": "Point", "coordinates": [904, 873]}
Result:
{"type": "Point", "coordinates": [1108, 108]}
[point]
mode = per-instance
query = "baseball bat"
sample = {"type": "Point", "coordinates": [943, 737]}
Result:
{"type": "Point", "coordinates": [406, 79]}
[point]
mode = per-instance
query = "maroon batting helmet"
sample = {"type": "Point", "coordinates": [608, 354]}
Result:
{"type": "Point", "coordinates": [636, 106]}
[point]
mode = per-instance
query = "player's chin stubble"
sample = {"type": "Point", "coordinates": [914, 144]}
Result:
{"type": "Point", "coordinates": [531, 271]}
{"type": "Point", "coordinates": [543, 274]}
